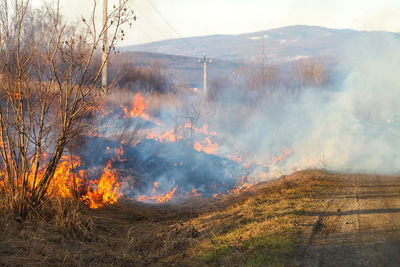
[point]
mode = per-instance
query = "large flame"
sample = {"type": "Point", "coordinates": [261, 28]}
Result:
{"type": "Point", "coordinates": [69, 183]}
{"type": "Point", "coordinates": [96, 193]}
{"type": "Point", "coordinates": [65, 183]}
{"type": "Point", "coordinates": [104, 191]}
{"type": "Point", "coordinates": [137, 107]}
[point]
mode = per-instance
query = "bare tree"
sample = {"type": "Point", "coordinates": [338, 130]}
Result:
{"type": "Point", "coordinates": [49, 91]}
{"type": "Point", "coordinates": [310, 73]}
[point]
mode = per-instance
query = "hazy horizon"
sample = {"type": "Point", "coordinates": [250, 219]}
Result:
{"type": "Point", "coordinates": [251, 32]}
{"type": "Point", "coordinates": [162, 20]}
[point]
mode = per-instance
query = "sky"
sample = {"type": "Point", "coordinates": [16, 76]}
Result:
{"type": "Point", "coordinates": [168, 19]}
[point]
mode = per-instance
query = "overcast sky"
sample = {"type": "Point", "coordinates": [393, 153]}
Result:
{"type": "Point", "coordinates": [166, 19]}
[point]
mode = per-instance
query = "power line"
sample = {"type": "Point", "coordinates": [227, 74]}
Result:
{"type": "Point", "coordinates": [169, 24]}
{"type": "Point", "coordinates": [152, 24]}
{"type": "Point", "coordinates": [165, 20]}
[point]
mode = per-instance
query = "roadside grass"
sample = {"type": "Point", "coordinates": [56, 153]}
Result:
{"type": "Point", "coordinates": [262, 229]}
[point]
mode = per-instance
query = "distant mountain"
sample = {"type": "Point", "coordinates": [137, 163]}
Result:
{"type": "Point", "coordinates": [277, 45]}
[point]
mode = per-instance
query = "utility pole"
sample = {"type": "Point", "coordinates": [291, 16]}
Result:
{"type": "Point", "coordinates": [105, 46]}
{"type": "Point", "coordinates": [204, 61]}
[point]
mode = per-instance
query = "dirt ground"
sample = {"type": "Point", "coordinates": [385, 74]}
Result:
{"type": "Point", "coordinates": [360, 226]}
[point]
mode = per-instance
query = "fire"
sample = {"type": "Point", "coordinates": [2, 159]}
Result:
{"type": "Point", "coordinates": [137, 107]}
{"type": "Point", "coordinates": [167, 196]}
{"type": "Point", "coordinates": [206, 146]}
{"type": "Point", "coordinates": [119, 153]}
{"type": "Point", "coordinates": [160, 198]}
{"type": "Point", "coordinates": [65, 181]}
{"type": "Point", "coordinates": [155, 186]}
{"type": "Point", "coordinates": [243, 184]}
{"type": "Point", "coordinates": [194, 193]}
{"type": "Point", "coordinates": [286, 152]}
{"type": "Point", "coordinates": [69, 183]}
{"type": "Point", "coordinates": [168, 136]}
{"type": "Point", "coordinates": [236, 158]}
{"type": "Point", "coordinates": [105, 190]}
{"type": "Point", "coordinates": [203, 130]}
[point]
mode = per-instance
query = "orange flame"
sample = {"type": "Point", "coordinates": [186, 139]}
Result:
{"type": "Point", "coordinates": [160, 198]}
{"type": "Point", "coordinates": [64, 181]}
{"type": "Point", "coordinates": [236, 158]}
{"type": "Point", "coordinates": [168, 136]}
{"type": "Point", "coordinates": [137, 107]}
{"type": "Point", "coordinates": [203, 130]}
{"type": "Point", "coordinates": [206, 146]}
{"type": "Point", "coordinates": [155, 186]}
{"type": "Point", "coordinates": [286, 152]}
{"type": "Point", "coordinates": [68, 183]}
{"type": "Point", "coordinates": [107, 191]}
{"type": "Point", "coordinates": [194, 193]}
{"type": "Point", "coordinates": [119, 153]}
{"type": "Point", "coordinates": [243, 184]}
{"type": "Point", "coordinates": [167, 196]}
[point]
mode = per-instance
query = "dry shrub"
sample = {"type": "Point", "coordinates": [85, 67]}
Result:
{"type": "Point", "coordinates": [4, 206]}
{"type": "Point", "coordinates": [71, 220]}
{"type": "Point", "coordinates": [68, 217]}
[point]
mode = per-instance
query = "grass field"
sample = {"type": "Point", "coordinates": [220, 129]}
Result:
{"type": "Point", "coordinates": [266, 225]}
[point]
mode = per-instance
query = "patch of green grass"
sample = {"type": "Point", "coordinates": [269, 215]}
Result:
{"type": "Point", "coordinates": [269, 249]}
{"type": "Point", "coordinates": [215, 256]}
{"type": "Point", "coordinates": [279, 242]}
{"type": "Point", "coordinates": [261, 250]}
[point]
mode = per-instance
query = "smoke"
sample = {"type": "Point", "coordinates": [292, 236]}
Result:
{"type": "Point", "coordinates": [344, 127]}
{"type": "Point", "coordinates": [240, 136]}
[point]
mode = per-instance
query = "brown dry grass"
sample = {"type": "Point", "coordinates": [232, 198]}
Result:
{"type": "Point", "coordinates": [256, 228]}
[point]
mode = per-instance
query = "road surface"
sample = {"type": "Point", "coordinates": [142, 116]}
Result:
{"type": "Point", "coordinates": [360, 226]}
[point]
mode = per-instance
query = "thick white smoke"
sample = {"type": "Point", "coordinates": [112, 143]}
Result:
{"type": "Point", "coordinates": [347, 127]}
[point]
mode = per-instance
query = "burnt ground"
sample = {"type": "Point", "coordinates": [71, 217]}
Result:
{"type": "Point", "coordinates": [169, 164]}
{"type": "Point", "coordinates": [360, 227]}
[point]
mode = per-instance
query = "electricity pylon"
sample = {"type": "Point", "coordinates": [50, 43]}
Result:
{"type": "Point", "coordinates": [204, 61]}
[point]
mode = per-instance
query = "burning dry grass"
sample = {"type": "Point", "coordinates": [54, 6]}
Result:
{"type": "Point", "coordinates": [252, 228]}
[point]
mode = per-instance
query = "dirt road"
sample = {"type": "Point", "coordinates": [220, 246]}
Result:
{"type": "Point", "coordinates": [361, 225]}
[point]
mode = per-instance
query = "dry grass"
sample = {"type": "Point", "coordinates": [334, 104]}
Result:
{"type": "Point", "coordinates": [255, 228]}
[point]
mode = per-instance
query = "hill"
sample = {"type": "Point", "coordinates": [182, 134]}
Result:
{"type": "Point", "coordinates": [279, 45]}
